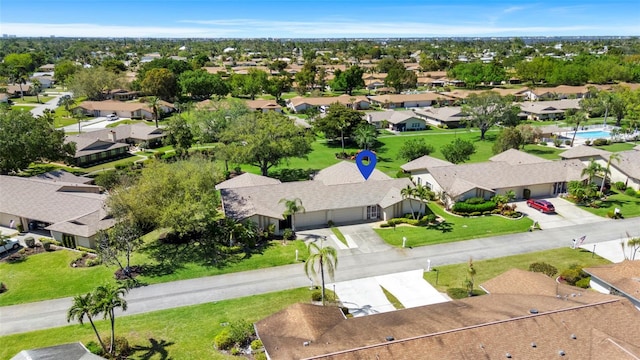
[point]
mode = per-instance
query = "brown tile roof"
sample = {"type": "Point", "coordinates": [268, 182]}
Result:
{"type": "Point", "coordinates": [624, 276]}
{"type": "Point", "coordinates": [263, 104]}
{"type": "Point", "coordinates": [114, 105]}
{"type": "Point", "coordinates": [396, 98]}
{"type": "Point", "coordinates": [583, 324]}
{"type": "Point", "coordinates": [317, 101]}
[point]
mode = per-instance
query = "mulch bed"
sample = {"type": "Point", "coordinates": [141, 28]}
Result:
{"type": "Point", "coordinates": [82, 262]}
{"type": "Point", "coordinates": [133, 272]}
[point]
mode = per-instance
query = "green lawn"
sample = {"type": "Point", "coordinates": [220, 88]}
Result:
{"type": "Point", "coordinates": [629, 205]}
{"type": "Point", "coordinates": [49, 276]}
{"type": "Point", "coordinates": [125, 122]}
{"type": "Point", "coordinates": [616, 147]}
{"type": "Point", "coordinates": [22, 107]}
{"type": "Point", "coordinates": [183, 333]}
{"type": "Point", "coordinates": [32, 100]}
{"type": "Point", "coordinates": [454, 229]}
{"type": "Point", "coordinates": [563, 258]}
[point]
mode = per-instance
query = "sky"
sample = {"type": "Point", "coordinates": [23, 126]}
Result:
{"type": "Point", "coordinates": [319, 18]}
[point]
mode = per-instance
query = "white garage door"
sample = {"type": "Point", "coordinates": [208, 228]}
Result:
{"type": "Point", "coordinates": [540, 190]}
{"type": "Point", "coordinates": [348, 215]}
{"type": "Point", "coordinates": [311, 219]}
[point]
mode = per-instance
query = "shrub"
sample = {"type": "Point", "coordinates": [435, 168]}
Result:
{"type": "Point", "coordinates": [93, 262]}
{"type": "Point", "coordinates": [464, 207]}
{"type": "Point", "coordinates": [94, 348]}
{"type": "Point", "coordinates": [158, 155]}
{"type": "Point", "coordinates": [256, 344]}
{"type": "Point", "coordinates": [430, 218]}
{"type": "Point", "coordinates": [30, 242]}
{"type": "Point", "coordinates": [20, 228]}
{"type": "Point", "coordinates": [475, 213]}
{"type": "Point", "coordinates": [567, 142]}
{"type": "Point", "coordinates": [584, 282]}
{"type": "Point", "coordinates": [475, 200]}
{"type": "Point", "coordinates": [460, 293]}
{"type": "Point", "coordinates": [241, 332]}
{"type": "Point", "coordinates": [557, 142]}
{"type": "Point", "coordinates": [630, 191]}
{"type": "Point", "coordinates": [316, 296]}
{"type": "Point", "coordinates": [260, 356]}
{"type": "Point", "coordinates": [3, 287]}
{"type": "Point", "coordinates": [620, 185]}
{"type": "Point", "coordinates": [544, 268]}
{"type": "Point", "coordinates": [287, 234]}
{"type": "Point", "coordinates": [330, 223]}
{"type": "Point", "coordinates": [122, 346]}
{"type": "Point", "coordinates": [46, 244]}
{"type": "Point", "coordinates": [587, 142]}
{"type": "Point", "coordinates": [235, 351]}
{"type": "Point", "coordinates": [385, 225]}
{"type": "Point", "coordinates": [223, 340]}
{"type": "Point", "coordinates": [86, 250]}
{"type": "Point", "coordinates": [124, 166]}
{"type": "Point", "coordinates": [600, 142]}
{"type": "Point", "coordinates": [573, 274]}
{"type": "Point", "coordinates": [543, 143]}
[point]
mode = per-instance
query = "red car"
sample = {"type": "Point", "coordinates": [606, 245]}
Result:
{"type": "Point", "coordinates": [541, 205]}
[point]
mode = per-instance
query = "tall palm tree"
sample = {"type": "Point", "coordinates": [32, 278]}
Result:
{"type": "Point", "coordinates": [154, 103]}
{"type": "Point", "coordinates": [607, 170]}
{"type": "Point", "coordinates": [407, 193]}
{"type": "Point", "coordinates": [292, 207]}
{"type": "Point", "coordinates": [471, 270]}
{"type": "Point", "coordinates": [67, 101]}
{"type": "Point", "coordinates": [37, 87]}
{"type": "Point", "coordinates": [83, 305]}
{"type": "Point", "coordinates": [324, 257]}
{"type": "Point", "coordinates": [365, 136]}
{"type": "Point", "coordinates": [575, 120]}
{"type": "Point", "coordinates": [107, 299]}
{"type": "Point", "coordinates": [423, 194]}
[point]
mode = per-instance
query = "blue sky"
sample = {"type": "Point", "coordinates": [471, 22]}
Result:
{"type": "Point", "coordinates": [317, 19]}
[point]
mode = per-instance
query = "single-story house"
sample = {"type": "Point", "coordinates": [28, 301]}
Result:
{"type": "Point", "coordinates": [626, 169]}
{"type": "Point", "coordinates": [393, 101]}
{"type": "Point", "coordinates": [133, 110]}
{"type": "Point", "coordinates": [405, 120]}
{"type": "Point", "coordinates": [617, 279]}
{"type": "Point", "coordinates": [264, 105]}
{"type": "Point", "coordinates": [120, 94]}
{"type": "Point", "coordinates": [246, 180]}
{"type": "Point", "coordinates": [338, 193]}
{"type": "Point", "coordinates": [71, 211]}
{"type": "Point", "coordinates": [519, 172]}
{"type": "Point", "coordinates": [47, 67]}
{"type": "Point", "coordinates": [45, 81]}
{"type": "Point", "coordinates": [449, 116]}
{"type": "Point", "coordinates": [298, 103]}
{"type": "Point", "coordinates": [548, 110]}
{"type": "Point", "coordinates": [14, 90]}
{"type": "Point", "coordinates": [525, 316]}
{"type": "Point", "coordinates": [111, 143]}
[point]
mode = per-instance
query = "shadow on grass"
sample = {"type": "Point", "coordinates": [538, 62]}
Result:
{"type": "Point", "coordinates": [444, 226]}
{"type": "Point", "coordinates": [156, 349]}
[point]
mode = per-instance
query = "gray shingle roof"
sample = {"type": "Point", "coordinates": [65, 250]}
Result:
{"type": "Point", "coordinates": [393, 117]}
{"type": "Point", "coordinates": [346, 172]}
{"type": "Point", "coordinates": [584, 151]}
{"type": "Point", "coordinates": [48, 201]}
{"type": "Point", "coordinates": [63, 176]}
{"type": "Point", "coordinates": [241, 203]}
{"type": "Point", "coordinates": [246, 179]}
{"type": "Point", "coordinates": [443, 114]}
{"type": "Point", "coordinates": [424, 162]}
{"type": "Point", "coordinates": [629, 163]}
{"type": "Point", "coordinates": [515, 157]}
{"type": "Point", "coordinates": [73, 351]}
{"type": "Point", "coordinates": [500, 175]}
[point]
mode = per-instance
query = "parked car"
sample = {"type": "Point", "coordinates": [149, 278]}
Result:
{"type": "Point", "coordinates": [112, 117]}
{"type": "Point", "coordinates": [541, 205]}
{"type": "Point", "coordinates": [8, 244]}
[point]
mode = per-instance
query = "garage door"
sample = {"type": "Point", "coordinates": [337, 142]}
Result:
{"type": "Point", "coordinates": [311, 219]}
{"type": "Point", "coordinates": [540, 190]}
{"type": "Point", "coordinates": [348, 215]}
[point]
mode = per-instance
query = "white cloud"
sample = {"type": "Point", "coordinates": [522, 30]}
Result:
{"type": "Point", "coordinates": [328, 28]}
{"type": "Point", "coordinates": [513, 9]}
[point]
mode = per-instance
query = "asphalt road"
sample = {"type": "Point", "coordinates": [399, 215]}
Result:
{"type": "Point", "coordinates": [352, 265]}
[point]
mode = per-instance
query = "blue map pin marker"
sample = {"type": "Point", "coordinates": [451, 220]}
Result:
{"type": "Point", "coordinates": [366, 169]}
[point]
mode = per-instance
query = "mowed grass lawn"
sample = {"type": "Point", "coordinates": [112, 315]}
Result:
{"type": "Point", "coordinates": [49, 275]}
{"type": "Point", "coordinates": [455, 275]}
{"type": "Point", "coordinates": [629, 205]}
{"type": "Point", "coordinates": [183, 333]}
{"type": "Point", "coordinates": [453, 229]}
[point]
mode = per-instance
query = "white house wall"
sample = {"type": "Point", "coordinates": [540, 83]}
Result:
{"type": "Point", "coordinates": [410, 123]}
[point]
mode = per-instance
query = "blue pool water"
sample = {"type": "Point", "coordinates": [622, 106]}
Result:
{"type": "Point", "coordinates": [596, 134]}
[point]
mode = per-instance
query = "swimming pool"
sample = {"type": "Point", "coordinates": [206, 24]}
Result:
{"type": "Point", "coordinates": [594, 134]}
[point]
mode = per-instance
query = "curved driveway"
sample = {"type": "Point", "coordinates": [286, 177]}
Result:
{"type": "Point", "coordinates": [352, 265]}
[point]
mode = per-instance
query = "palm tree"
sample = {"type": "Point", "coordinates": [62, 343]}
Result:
{"type": "Point", "coordinates": [48, 116]}
{"type": "Point", "coordinates": [591, 170]}
{"type": "Point", "coordinates": [423, 194]}
{"type": "Point", "coordinates": [471, 270]}
{"type": "Point", "coordinates": [292, 207]}
{"type": "Point", "coordinates": [325, 257]}
{"type": "Point", "coordinates": [107, 299]}
{"type": "Point", "coordinates": [575, 120]}
{"type": "Point", "coordinates": [37, 87]}
{"type": "Point", "coordinates": [67, 101]}
{"type": "Point", "coordinates": [407, 193]}
{"type": "Point", "coordinates": [607, 170]}
{"type": "Point", "coordinates": [83, 305]}
{"type": "Point", "coordinates": [154, 103]}
{"type": "Point", "coordinates": [365, 136]}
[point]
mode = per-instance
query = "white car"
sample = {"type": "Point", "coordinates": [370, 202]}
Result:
{"type": "Point", "coordinates": [8, 244]}
{"type": "Point", "coordinates": [112, 117]}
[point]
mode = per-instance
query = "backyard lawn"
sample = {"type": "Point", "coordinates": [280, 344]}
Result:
{"type": "Point", "coordinates": [453, 229]}
{"type": "Point", "coordinates": [49, 275]}
{"type": "Point", "coordinates": [455, 275]}
{"type": "Point", "coordinates": [32, 100]}
{"type": "Point", "coordinates": [180, 333]}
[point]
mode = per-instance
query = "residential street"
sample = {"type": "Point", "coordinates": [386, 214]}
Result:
{"type": "Point", "coordinates": [353, 264]}
{"type": "Point", "coordinates": [51, 104]}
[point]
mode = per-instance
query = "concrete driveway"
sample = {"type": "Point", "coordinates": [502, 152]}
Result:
{"type": "Point", "coordinates": [567, 214]}
{"type": "Point", "coordinates": [360, 238]}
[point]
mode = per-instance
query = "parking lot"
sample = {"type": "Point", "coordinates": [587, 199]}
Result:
{"type": "Point", "coordinates": [567, 214]}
